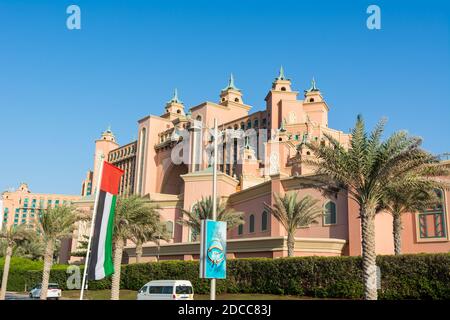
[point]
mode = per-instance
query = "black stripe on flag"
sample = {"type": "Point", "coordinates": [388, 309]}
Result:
{"type": "Point", "coordinates": [95, 237]}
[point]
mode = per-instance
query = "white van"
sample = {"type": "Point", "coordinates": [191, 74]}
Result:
{"type": "Point", "coordinates": [166, 290]}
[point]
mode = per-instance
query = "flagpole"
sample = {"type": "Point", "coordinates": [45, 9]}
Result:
{"type": "Point", "coordinates": [214, 213]}
{"type": "Point", "coordinates": [91, 233]}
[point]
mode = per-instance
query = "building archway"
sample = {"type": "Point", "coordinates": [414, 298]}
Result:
{"type": "Point", "coordinates": [172, 181]}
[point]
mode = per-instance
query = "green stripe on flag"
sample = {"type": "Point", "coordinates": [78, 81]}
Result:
{"type": "Point", "coordinates": [108, 263]}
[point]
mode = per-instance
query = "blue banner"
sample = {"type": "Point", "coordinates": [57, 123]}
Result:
{"type": "Point", "coordinates": [213, 250]}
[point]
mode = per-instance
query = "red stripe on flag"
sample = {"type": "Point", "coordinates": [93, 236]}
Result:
{"type": "Point", "coordinates": [110, 178]}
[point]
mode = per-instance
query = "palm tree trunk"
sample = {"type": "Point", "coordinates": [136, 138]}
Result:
{"type": "Point", "coordinates": [397, 230]}
{"type": "Point", "coordinates": [9, 250]}
{"type": "Point", "coordinates": [369, 254]}
{"type": "Point", "coordinates": [138, 251]}
{"type": "Point", "coordinates": [48, 261]}
{"type": "Point", "coordinates": [290, 244]}
{"type": "Point", "coordinates": [159, 248]}
{"type": "Point", "coordinates": [115, 286]}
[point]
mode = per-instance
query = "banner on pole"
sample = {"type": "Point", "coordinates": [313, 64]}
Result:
{"type": "Point", "coordinates": [213, 249]}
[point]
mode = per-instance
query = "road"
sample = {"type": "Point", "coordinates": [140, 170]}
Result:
{"type": "Point", "coordinates": [22, 296]}
{"type": "Point", "coordinates": [16, 296]}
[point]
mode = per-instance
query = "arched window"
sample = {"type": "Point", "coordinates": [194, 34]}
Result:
{"type": "Point", "coordinates": [283, 88]}
{"type": "Point", "coordinates": [249, 124]}
{"type": "Point", "coordinates": [251, 223]}
{"type": "Point", "coordinates": [142, 159]}
{"type": "Point", "coordinates": [236, 100]}
{"type": "Point", "coordinates": [256, 124]}
{"type": "Point", "coordinates": [169, 228]}
{"type": "Point", "coordinates": [329, 216]}
{"type": "Point", "coordinates": [311, 100]}
{"type": "Point", "coordinates": [240, 229]}
{"type": "Point", "coordinates": [199, 118]}
{"type": "Point", "coordinates": [264, 221]}
{"type": "Point", "coordinates": [432, 222]}
{"type": "Point", "coordinates": [242, 125]}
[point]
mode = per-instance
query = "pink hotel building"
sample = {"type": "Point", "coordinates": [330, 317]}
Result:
{"type": "Point", "coordinates": [246, 184]}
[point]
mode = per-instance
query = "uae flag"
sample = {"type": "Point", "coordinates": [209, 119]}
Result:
{"type": "Point", "coordinates": [101, 261]}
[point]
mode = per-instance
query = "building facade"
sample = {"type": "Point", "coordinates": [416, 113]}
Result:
{"type": "Point", "coordinates": [261, 153]}
{"type": "Point", "coordinates": [21, 206]}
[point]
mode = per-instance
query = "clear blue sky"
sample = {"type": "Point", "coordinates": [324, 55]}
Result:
{"type": "Point", "coordinates": [60, 89]}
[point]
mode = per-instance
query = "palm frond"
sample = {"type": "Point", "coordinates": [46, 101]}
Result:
{"type": "Point", "coordinates": [294, 213]}
{"type": "Point", "coordinates": [203, 210]}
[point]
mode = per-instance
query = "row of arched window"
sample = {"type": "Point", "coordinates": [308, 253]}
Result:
{"type": "Point", "coordinates": [129, 150]}
{"type": "Point", "coordinates": [329, 218]}
{"type": "Point", "coordinates": [251, 223]}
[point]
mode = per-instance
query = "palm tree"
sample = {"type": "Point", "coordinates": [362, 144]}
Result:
{"type": "Point", "coordinates": [131, 213]}
{"type": "Point", "coordinates": [149, 228]}
{"type": "Point", "coordinates": [55, 224]}
{"type": "Point", "coordinates": [404, 197]}
{"type": "Point", "coordinates": [146, 233]}
{"type": "Point", "coordinates": [11, 237]}
{"type": "Point", "coordinates": [293, 214]}
{"type": "Point", "coordinates": [31, 247]}
{"type": "Point", "coordinates": [203, 210]}
{"type": "Point", "coordinates": [366, 170]}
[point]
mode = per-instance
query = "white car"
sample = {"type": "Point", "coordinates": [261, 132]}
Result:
{"type": "Point", "coordinates": [166, 290]}
{"type": "Point", "coordinates": [54, 292]}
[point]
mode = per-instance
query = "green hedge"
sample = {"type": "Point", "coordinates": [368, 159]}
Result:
{"type": "Point", "coordinates": [422, 276]}
{"type": "Point", "coordinates": [22, 264]}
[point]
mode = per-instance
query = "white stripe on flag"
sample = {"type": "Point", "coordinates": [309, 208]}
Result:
{"type": "Point", "coordinates": [99, 268]}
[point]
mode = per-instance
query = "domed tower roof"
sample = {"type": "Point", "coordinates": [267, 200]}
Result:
{"type": "Point", "coordinates": [108, 135]}
{"type": "Point", "coordinates": [281, 75]}
{"type": "Point", "coordinates": [231, 84]}
{"type": "Point", "coordinates": [230, 94]}
{"type": "Point", "coordinates": [313, 87]}
{"type": "Point", "coordinates": [174, 106]}
{"type": "Point", "coordinates": [313, 94]}
{"type": "Point", "coordinates": [281, 83]}
{"type": "Point", "coordinates": [175, 98]}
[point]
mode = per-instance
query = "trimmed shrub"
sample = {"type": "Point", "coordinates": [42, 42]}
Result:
{"type": "Point", "coordinates": [22, 264]}
{"type": "Point", "coordinates": [421, 276]}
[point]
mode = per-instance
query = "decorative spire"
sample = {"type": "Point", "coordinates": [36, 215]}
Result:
{"type": "Point", "coordinates": [175, 97]}
{"type": "Point", "coordinates": [281, 74]}
{"type": "Point", "coordinates": [108, 130]}
{"type": "Point", "coordinates": [231, 84]}
{"type": "Point", "coordinates": [313, 86]}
